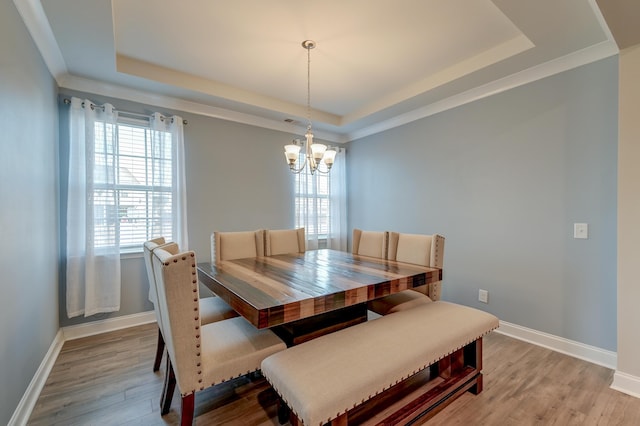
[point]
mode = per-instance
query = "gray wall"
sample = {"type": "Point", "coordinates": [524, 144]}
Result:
{"type": "Point", "coordinates": [504, 179]}
{"type": "Point", "coordinates": [237, 180]}
{"type": "Point", "coordinates": [28, 210]}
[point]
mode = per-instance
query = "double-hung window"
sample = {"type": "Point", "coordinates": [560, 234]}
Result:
{"type": "Point", "coordinates": [320, 204]}
{"type": "Point", "coordinates": [133, 185]}
{"type": "Point", "coordinates": [313, 205]}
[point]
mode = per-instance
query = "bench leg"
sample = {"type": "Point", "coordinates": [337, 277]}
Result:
{"type": "Point", "coordinates": [477, 388]}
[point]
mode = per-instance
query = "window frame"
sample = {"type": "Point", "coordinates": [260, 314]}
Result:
{"type": "Point", "coordinates": [315, 199]}
{"type": "Point", "coordinates": [146, 190]}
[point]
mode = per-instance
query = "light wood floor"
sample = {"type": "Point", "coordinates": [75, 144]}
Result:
{"type": "Point", "coordinates": [107, 380]}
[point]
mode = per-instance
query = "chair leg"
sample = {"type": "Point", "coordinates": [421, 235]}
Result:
{"type": "Point", "coordinates": [159, 351]}
{"type": "Point", "coordinates": [169, 387]}
{"type": "Point", "coordinates": [188, 404]}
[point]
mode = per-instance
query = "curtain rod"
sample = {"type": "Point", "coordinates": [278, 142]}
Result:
{"type": "Point", "coordinates": [67, 101]}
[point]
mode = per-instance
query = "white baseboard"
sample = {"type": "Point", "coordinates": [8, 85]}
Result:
{"type": "Point", "coordinates": [626, 383]}
{"type": "Point", "coordinates": [575, 349]}
{"type": "Point", "coordinates": [104, 326]}
{"type": "Point", "coordinates": [25, 406]}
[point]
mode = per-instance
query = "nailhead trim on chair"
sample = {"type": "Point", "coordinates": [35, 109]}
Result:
{"type": "Point", "coordinates": [196, 319]}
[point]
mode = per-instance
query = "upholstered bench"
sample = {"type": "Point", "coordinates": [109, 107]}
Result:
{"type": "Point", "coordinates": [322, 380]}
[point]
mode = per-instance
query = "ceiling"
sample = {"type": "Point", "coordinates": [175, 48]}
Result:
{"type": "Point", "coordinates": [377, 63]}
{"type": "Point", "coordinates": [622, 17]}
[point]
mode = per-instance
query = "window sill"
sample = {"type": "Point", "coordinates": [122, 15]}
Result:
{"type": "Point", "coordinates": [131, 255]}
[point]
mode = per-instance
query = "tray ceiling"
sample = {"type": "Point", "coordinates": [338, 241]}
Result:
{"type": "Point", "coordinates": [377, 63]}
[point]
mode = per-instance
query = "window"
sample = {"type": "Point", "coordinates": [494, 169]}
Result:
{"type": "Point", "coordinates": [133, 185]}
{"type": "Point", "coordinates": [313, 205]}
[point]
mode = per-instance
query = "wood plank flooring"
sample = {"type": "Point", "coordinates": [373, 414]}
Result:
{"type": "Point", "coordinates": [107, 380]}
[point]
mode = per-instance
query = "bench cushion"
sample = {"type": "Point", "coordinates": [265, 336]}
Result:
{"type": "Point", "coordinates": [325, 377]}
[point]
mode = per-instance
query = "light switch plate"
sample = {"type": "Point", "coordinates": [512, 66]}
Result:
{"type": "Point", "coordinates": [581, 230]}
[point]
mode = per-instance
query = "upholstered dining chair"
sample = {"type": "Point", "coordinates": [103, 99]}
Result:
{"type": "Point", "coordinates": [201, 355]}
{"type": "Point", "coordinates": [282, 241]}
{"type": "Point", "coordinates": [212, 309]}
{"type": "Point", "coordinates": [423, 250]}
{"type": "Point", "coordinates": [370, 243]}
{"type": "Point", "coordinates": [236, 245]}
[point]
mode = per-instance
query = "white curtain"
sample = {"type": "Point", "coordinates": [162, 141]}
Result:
{"type": "Point", "coordinates": [338, 195]}
{"type": "Point", "coordinates": [168, 133]}
{"type": "Point", "coordinates": [93, 224]}
{"type": "Point", "coordinates": [311, 193]}
{"type": "Point", "coordinates": [305, 190]}
{"type": "Point", "coordinates": [93, 273]}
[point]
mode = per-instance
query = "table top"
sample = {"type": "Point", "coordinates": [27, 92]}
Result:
{"type": "Point", "coordinates": [275, 290]}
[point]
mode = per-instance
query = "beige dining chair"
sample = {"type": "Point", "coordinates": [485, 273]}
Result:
{"type": "Point", "coordinates": [370, 243]}
{"type": "Point", "coordinates": [282, 241]}
{"type": "Point", "coordinates": [212, 309]}
{"type": "Point", "coordinates": [201, 355]}
{"type": "Point", "coordinates": [236, 245]}
{"type": "Point", "coordinates": [417, 249]}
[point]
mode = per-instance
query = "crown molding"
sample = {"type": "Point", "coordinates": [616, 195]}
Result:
{"type": "Point", "coordinates": [135, 95]}
{"type": "Point", "coordinates": [576, 59]}
{"type": "Point", "coordinates": [38, 26]}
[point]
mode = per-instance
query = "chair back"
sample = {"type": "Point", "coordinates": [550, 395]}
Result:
{"type": "Point", "coordinates": [148, 247]}
{"type": "Point", "coordinates": [236, 245]}
{"type": "Point", "coordinates": [178, 299]}
{"type": "Point", "coordinates": [282, 241]}
{"type": "Point", "coordinates": [423, 250]}
{"type": "Point", "coordinates": [370, 243]}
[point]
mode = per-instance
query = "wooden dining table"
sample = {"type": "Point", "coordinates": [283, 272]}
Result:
{"type": "Point", "coordinates": [301, 296]}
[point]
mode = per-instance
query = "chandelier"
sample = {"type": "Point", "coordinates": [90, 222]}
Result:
{"type": "Point", "coordinates": [314, 153]}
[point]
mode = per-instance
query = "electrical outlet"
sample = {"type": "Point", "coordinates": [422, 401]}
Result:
{"type": "Point", "coordinates": [581, 230]}
{"type": "Point", "coordinates": [483, 296]}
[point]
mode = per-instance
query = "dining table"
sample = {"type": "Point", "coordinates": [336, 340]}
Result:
{"type": "Point", "coordinates": [301, 296]}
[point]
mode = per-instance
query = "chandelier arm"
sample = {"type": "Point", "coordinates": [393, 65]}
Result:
{"type": "Point", "coordinates": [324, 172]}
{"type": "Point", "coordinates": [297, 171]}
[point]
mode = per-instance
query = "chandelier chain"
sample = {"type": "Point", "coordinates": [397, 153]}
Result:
{"type": "Point", "coordinates": [314, 153]}
{"type": "Point", "coordinates": [309, 85]}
